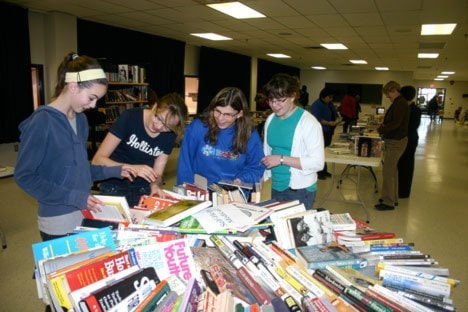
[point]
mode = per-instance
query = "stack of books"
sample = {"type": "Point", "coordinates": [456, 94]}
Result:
{"type": "Point", "coordinates": [158, 268]}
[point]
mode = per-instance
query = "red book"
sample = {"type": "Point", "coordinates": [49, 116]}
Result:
{"type": "Point", "coordinates": [95, 271]}
{"type": "Point", "coordinates": [151, 203]}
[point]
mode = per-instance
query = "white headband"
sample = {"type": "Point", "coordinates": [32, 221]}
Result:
{"type": "Point", "coordinates": [85, 75]}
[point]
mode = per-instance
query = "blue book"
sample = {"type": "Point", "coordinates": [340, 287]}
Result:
{"type": "Point", "coordinates": [319, 256]}
{"type": "Point", "coordinates": [73, 243]}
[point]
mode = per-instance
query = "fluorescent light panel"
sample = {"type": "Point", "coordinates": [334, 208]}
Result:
{"type": "Point", "coordinates": [381, 68]}
{"type": "Point", "coordinates": [358, 61]}
{"type": "Point", "coordinates": [447, 72]}
{"type": "Point", "coordinates": [319, 67]}
{"type": "Point", "coordinates": [428, 55]}
{"type": "Point", "coordinates": [236, 10]}
{"type": "Point", "coordinates": [439, 79]}
{"type": "Point", "coordinates": [278, 55]}
{"type": "Point", "coordinates": [437, 29]}
{"type": "Point", "coordinates": [211, 36]}
{"type": "Point", "coordinates": [442, 76]}
{"type": "Point", "coordinates": [334, 46]}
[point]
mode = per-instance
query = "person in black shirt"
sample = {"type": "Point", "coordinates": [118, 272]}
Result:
{"type": "Point", "coordinates": [406, 162]}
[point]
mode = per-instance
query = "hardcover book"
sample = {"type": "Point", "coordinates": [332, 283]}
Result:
{"type": "Point", "coordinates": [319, 256]}
{"type": "Point", "coordinates": [114, 208]}
{"type": "Point", "coordinates": [176, 212]}
{"type": "Point", "coordinates": [310, 228]}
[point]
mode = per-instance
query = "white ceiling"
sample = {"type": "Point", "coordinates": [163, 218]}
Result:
{"type": "Point", "coordinates": [382, 32]}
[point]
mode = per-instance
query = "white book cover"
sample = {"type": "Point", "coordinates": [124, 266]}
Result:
{"type": "Point", "coordinates": [168, 258]}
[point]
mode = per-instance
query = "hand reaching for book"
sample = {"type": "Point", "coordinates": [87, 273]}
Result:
{"type": "Point", "coordinates": [94, 204]}
{"type": "Point", "coordinates": [128, 172]}
{"type": "Point", "coordinates": [144, 172]}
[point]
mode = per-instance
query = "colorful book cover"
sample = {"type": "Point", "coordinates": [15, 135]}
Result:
{"type": "Point", "coordinates": [73, 243]}
{"type": "Point", "coordinates": [176, 212]}
{"type": "Point", "coordinates": [168, 258]}
{"type": "Point", "coordinates": [319, 256]}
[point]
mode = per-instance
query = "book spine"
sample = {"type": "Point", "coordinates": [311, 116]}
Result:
{"type": "Point", "coordinates": [411, 305]}
{"type": "Point", "coordinates": [337, 288]}
{"type": "Point", "coordinates": [301, 278]}
{"type": "Point", "coordinates": [436, 289]}
{"type": "Point", "coordinates": [112, 295]}
{"type": "Point", "coordinates": [451, 281]}
{"type": "Point", "coordinates": [373, 304]}
{"type": "Point", "coordinates": [153, 299]}
{"type": "Point", "coordinates": [355, 264]}
{"type": "Point", "coordinates": [427, 301]}
{"type": "Point", "coordinates": [259, 293]}
{"type": "Point", "coordinates": [386, 301]}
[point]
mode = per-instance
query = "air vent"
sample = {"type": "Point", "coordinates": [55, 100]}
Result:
{"type": "Point", "coordinates": [431, 45]}
{"type": "Point", "coordinates": [314, 48]}
{"type": "Point", "coordinates": [424, 67]}
{"type": "Point", "coordinates": [348, 64]}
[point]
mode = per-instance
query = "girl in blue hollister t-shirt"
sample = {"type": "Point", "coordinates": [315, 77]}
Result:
{"type": "Point", "coordinates": [142, 138]}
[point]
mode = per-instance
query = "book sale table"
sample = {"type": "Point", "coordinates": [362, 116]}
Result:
{"type": "Point", "coordinates": [349, 160]}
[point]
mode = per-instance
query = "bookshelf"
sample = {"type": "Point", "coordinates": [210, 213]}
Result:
{"type": "Point", "coordinates": [121, 96]}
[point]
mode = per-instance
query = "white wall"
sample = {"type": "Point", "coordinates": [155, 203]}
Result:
{"type": "Point", "coordinates": [315, 81]}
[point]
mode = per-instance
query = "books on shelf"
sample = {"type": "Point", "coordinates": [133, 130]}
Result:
{"type": "Point", "coordinates": [319, 256]}
{"type": "Point", "coordinates": [175, 212]}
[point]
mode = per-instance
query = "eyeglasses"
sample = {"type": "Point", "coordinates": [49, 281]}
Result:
{"type": "Point", "coordinates": [217, 113]}
{"type": "Point", "coordinates": [169, 127]}
{"type": "Point", "coordinates": [277, 101]}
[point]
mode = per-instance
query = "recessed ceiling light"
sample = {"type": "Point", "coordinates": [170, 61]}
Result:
{"type": "Point", "coordinates": [319, 67]}
{"type": "Point", "coordinates": [437, 29]}
{"type": "Point", "coordinates": [428, 55]}
{"type": "Point", "coordinates": [442, 76]}
{"type": "Point", "coordinates": [211, 36]}
{"type": "Point", "coordinates": [278, 55]}
{"type": "Point", "coordinates": [439, 79]}
{"type": "Point", "coordinates": [358, 61]}
{"type": "Point", "coordinates": [381, 68]}
{"type": "Point", "coordinates": [334, 46]}
{"type": "Point", "coordinates": [236, 10]}
{"type": "Point", "coordinates": [447, 72]}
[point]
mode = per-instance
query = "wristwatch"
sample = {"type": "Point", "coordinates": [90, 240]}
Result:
{"type": "Point", "coordinates": [281, 160]}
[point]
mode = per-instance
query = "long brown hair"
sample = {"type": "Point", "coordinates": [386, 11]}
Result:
{"type": "Point", "coordinates": [235, 98]}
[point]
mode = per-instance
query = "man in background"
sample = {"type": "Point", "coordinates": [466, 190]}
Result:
{"type": "Point", "coordinates": [324, 111]}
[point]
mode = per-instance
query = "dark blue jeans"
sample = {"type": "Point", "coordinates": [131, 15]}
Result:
{"type": "Point", "coordinates": [304, 196]}
{"type": "Point", "coordinates": [125, 188]}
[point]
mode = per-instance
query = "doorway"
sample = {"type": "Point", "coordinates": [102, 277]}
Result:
{"type": "Point", "coordinates": [37, 78]}
{"type": "Point", "coordinates": [426, 94]}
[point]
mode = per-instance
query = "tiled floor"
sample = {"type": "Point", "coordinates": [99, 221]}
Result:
{"type": "Point", "coordinates": [435, 217]}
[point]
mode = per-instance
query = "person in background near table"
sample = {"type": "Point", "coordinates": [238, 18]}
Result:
{"type": "Point", "coordinates": [142, 138]}
{"type": "Point", "coordinates": [406, 162]}
{"type": "Point", "coordinates": [433, 107]}
{"type": "Point", "coordinates": [293, 144]}
{"type": "Point", "coordinates": [222, 144]}
{"type": "Point", "coordinates": [304, 97]}
{"type": "Point", "coordinates": [325, 112]}
{"type": "Point", "coordinates": [52, 164]}
{"type": "Point", "coordinates": [394, 131]}
{"type": "Point", "coordinates": [348, 111]}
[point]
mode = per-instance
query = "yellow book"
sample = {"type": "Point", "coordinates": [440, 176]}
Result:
{"type": "Point", "coordinates": [176, 212]}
